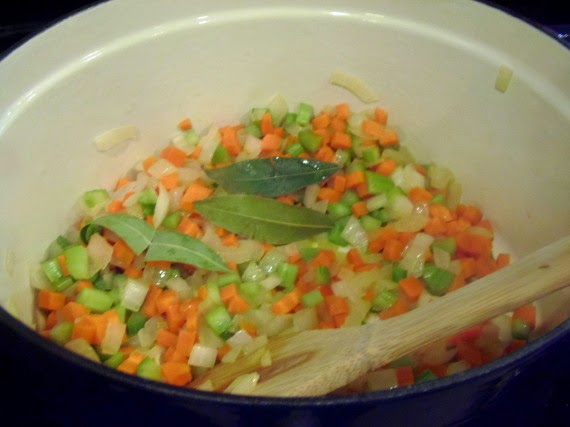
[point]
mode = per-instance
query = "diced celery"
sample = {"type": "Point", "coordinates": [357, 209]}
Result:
{"type": "Point", "coordinates": [519, 329]}
{"type": "Point", "coordinates": [115, 360]}
{"type": "Point", "coordinates": [191, 137]}
{"type": "Point", "coordinates": [115, 295]}
{"type": "Point", "coordinates": [338, 210]}
{"type": "Point", "coordinates": [382, 215]}
{"type": "Point", "coordinates": [221, 155]}
{"type": "Point", "coordinates": [308, 253]}
{"type": "Point", "coordinates": [437, 279]}
{"type": "Point", "coordinates": [312, 298]}
{"type": "Point", "coordinates": [171, 221]}
{"type": "Point", "coordinates": [148, 369]}
{"type": "Point", "coordinates": [304, 114]}
{"type": "Point", "coordinates": [122, 312]}
{"type": "Point", "coordinates": [426, 375]}
{"type": "Point", "coordinates": [256, 114]}
{"type": "Point", "coordinates": [335, 234]}
{"type": "Point", "coordinates": [309, 140]}
{"type": "Point", "coordinates": [385, 299]}
{"type": "Point", "coordinates": [57, 246]}
{"type": "Point", "coordinates": [226, 279]}
{"type": "Point", "coordinates": [147, 197]}
{"type": "Point", "coordinates": [61, 333]}
{"type": "Point", "coordinates": [95, 299]}
{"type": "Point", "coordinates": [95, 197]}
{"type": "Point", "coordinates": [369, 223]}
{"type": "Point", "coordinates": [136, 322]}
{"type": "Point", "coordinates": [398, 273]}
{"type": "Point", "coordinates": [219, 320]}
{"type": "Point", "coordinates": [119, 281]}
{"type": "Point", "coordinates": [350, 197]}
{"type": "Point", "coordinates": [63, 283]}
{"type": "Point", "coordinates": [295, 149]}
{"type": "Point", "coordinates": [438, 198]}
{"type": "Point", "coordinates": [378, 184]}
{"type": "Point", "coordinates": [89, 230]}
{"type": "Point", "coordinates": [77, 260]}
{"type": "Point", "coordinates": [371, 156]}
{"type": "Point", "coordinates": [254, 130]}
{"type": "Point", "coordinates": [448, 245]}
{"type": "Point", "coordinates": [322, 275]}
{"type": "Point", "coordinates": [288, 274]}
{"type": "Point", "coordinates": [52, 270]}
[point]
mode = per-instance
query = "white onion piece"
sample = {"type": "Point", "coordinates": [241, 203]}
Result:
{"type": "Point", "coordinates": [272, 259]}
{"type": "Point", "coordinates": [209, 143]}
{"type": "Point", "coordinates": [414, 255]}
{"type": "Point", "coordinates": [100, 253]}
{"type": "Point", "coordinates": [161, 168]}
{"type": "Point", "coordinates": [191, 171]}
{"type": "Point", "coordinates": [357, 313]}
{"type": "Point", "coordinates": [441, 258]}
{"type": "Point", "coordinates": [38, 279]}
{"type": "Point", "coordinates": [305, 319]}
{"type": "Point", "coordinates": [354, 234]}
{"type": "Point", "coordinates": [271, 282]}
{"type": "Point", "coordinates": [156, 353]}
{"type": "Point", "coordinates": [113, 137]}
{"type": "Point", "coordinates": [246, 250]}
{"type": "Point", "coordinates": [244, 384]}
{"type": "Point", "coordinates": [408, 177]}
{"type": "Point", "coordinates": [252, 146]}
{"type": "Point", "coordinates": [134, 294]}
{"type": "Point", "coordinates": [232, 355]}
{"type": "Point", "coordinates": [175, 196]}
{"type": "Point", "coordinates": [253, 273]}
{"type": "Point", "coordinates": [202, 356]}
{"type": "Point", "coordinates": [266, 359]}
{"type": "Point", "coordinates": [255, 344]}
{"type": "Point", "coordinates": [180, 286]}
{"type": "Point", "coordinates": [401, 206]}
{"type": "Point", "coordinates": [161, 207]}
{"type": "Point", "coordinates": [148, 333]}
{"type": "Point", "coordinates": [310, 196]}
{"type": "Point", "coordinates": [454, 192]}
{"type": "Point", "coordinates": [503, 80]}
{"type": "Point", "coordinates": [83, 348]}
{"type": "Point", "coordinates": [277, 324]}
{"type": "Point", "coordinates": [376, 202]}
{"type": "Point", "coordinates": [114, 334]}
{"type": "Point", "coordinates": [355, 85]}
{"type": "Point", "coordinates": [411, 223]}
{"type": "Point", "coordinates": [240, 338]}
{"type": "Point", "coordinates": [278, 108]}
{"type": "Point", "coordinates": [136, 186]}
{"type": "Point", "coordinates": [439, 176]}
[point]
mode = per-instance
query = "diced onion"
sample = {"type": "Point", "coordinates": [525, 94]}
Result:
{"type": "Point", "coordinates": [454, 192]}
{"type": "Point", "coordinates": [408, 177]}
{"type": "Point", "coordinates": [147, 334]}
{"type": "Point", "coordinates": [266, 359]}
{"type": "Point", "coordinates": [441, 258]}
{"type": "Point", "coordinates": [411, 223]}
{"type": "Point", "coordinates": [244, 384]}
{"type": "Point", "coordinates": [272, 259]}
{"type": "Point", "coordinates": [100, 253]}
{"type": "Point", "coordinates": [401, 206]}
{"type": "Point", "coordinates": [180, 286]}
{"type": "Point", "coordinates": [278, 108]}
{"type": "Point", "coordinates": [357, 313]}
{"type": "Point", "coordinates": [156, 353]}
{"type": "Point", "coordinates": [504, 76]}
{"type": "Point", "coordinates": [255, 344]}
{"type": "Point", "coordinates": [113, 137]}
{"type": "Point", "coordinates": [355, 85]}
{"type": "Point", "coordinates": [305, 319]}
{"type": "Point", "coordinates": [161, 168]}
{"type": "Point", "coordinates": [232, 355]}
{"type": "Point", "coordinates": [113, 338]}
{"type": "Point", "coordinates": [202, 356]}
{"type": "Point", "coordinates": [439, 176]}
{"type": "Point", "coordinates": [382, 379]}
{"type": "Point", "coordinates": [277, 324]}
{"type": "Point", "coordinates": [209, 143]}
{"type": "Point", "coordinates": [83, 348]}
{"type": "Point", "coordinates": [354, 234]}
{"type": "Point", "coordinates": [376, 202]}
{"type": "Point", "coordinates": [161, 207]}
{"type": "Point", "coordinates": [240, 338]}
{"type": "Point", "coordinates": [413, 259]}
{"type": "Point", "coordinates": [134, 294]}
{"type": "Point", "coordinates": [252, 146]}
{"type": "Point", "coordinates": [253, 273]}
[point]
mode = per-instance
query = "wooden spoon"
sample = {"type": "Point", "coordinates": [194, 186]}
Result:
{"type": "Point", "coordinates": [316, 362]}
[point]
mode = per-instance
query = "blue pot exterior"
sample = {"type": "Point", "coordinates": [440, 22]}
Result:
{"type": "Point", "coordinates": [69, 390]}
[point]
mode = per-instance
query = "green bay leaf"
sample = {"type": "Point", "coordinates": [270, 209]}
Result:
{"type": "Point", "coordinates": [271, 177]}
{"type": "Point", "coordinates": [136, 232]}
{"type": "Point", "coordinates": [177, 247]}
{"type": "Point", "coordinates": [263, 219]}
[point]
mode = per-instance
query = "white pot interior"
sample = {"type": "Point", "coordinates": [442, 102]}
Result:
{"type": "Point", "coordinates": [149, 64]}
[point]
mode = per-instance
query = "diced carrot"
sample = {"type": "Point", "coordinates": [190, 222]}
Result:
{"type": "Point", "coordinates": [325, 257]}
{"type": "Point", "coordinates": [203, 292]}
{"type": "Point", "coordinates": [515, 345]}
{"type": "Point", "coordinates": [469, 352]}
{"type": "Point", "coordinates": [398, 308]}
{"type": "Point", "coordinates": [342, 111]}
{"type": "Point", "coordinates": [526, 313]}
{"type": "Point", "coordinates": [189, 227]}
{"type": "Point", "coordinates": [359, 209]}
{"type": "Point", "coordinates": [353, 257]}
{"type": "Point", "coordinates": [329, 194]}
{"type": "Point", "coordinates": [470, 334]}
{"type": "Point", "coordinates": [393, 250]}
{"type": "Point", "coordinates": [355, 178]}
{"type": "Point", "coordinates": [321, 121]}
{"type": "Point", "coordinates": [380, 237]}
{"type": "Point", "coordinates": [419, 195]}
{"type": "Point", "coordinates": [405, 376]}
{"type": "Point", "coordinates": [228, 292]}
{"type": "Point", "coordinates": [149, 306]}
{"type": "Point", "coordinates": [436, 227]}
{"type": "Point", "coordinates": [362, 190]}
{"type": "Point", "coordinates": [238, 304]}
{"type": "Point", "coordinates": [82, 284]}
{"type": "Point", "coordinates": [133, 272]}
{"type": "Point", "coordinates": [73, 310]}
{"type": "Point", "coordinates": [456, 226]}
{"type": "Point", "coordinates": [115, 206]}
{"type": "Point", "coordinates": [484, 223]}
{"type": "Point", "coordinates": [121, 182]}
{"type": "Point", "coordinates": [123, 254]}
{"type": "Point", "coordinates": [84, 328]}
{"type": "Point", "coordinates": [174, 155]}
{"type": "Point", "coordinates": [369, 295]}
{"type": "Point", "coordinates": [100, 323]}
{"type": "Point", "coordinates": [324, 154]}
{"type": "Point", "coordinates": [131, 363]}
{"type": "Point", "coordinates": [230, 140]}
{"type": "Point", "coordinates": [223, 350]}
{"type": "Point", "coordinates": [63, 264]}
{"type": "Point", "coordinates": [420, 169]}
{"type": "Point", "coordinates": [473, 244]}
{"type": "Point", "coordinates": [386, 167]}
{"type": "Point", "coordinates": [160, 265]}
{"type": "Point", "coordinates": [126, 350]}
{"type": "Point", "coordinates": [185, 342]}
{"type": "Point", "coordinates": [484, 265]}
{"type": "Point", "coordinates": [249, 328]}
{"type": "Point", "coordinates": [372, 128]}
{"type": "Point", "coordinates": [50, 300]}
{"type": "Point", "coordinates": [192, 317]}
{"type": "Point", "coordinates": [196, 153]}
{"type": "Point", "coordinates": [439, 211]}
{"type": "Point", "coordinates": [341, 140]}
{"type": "Point", "coordinates": [411, 287]}
{"type": "Point", "coordinates": [325, 136]}
{"type": "Point", "coordinates": [326, 324]}
{"type": "Point", "coordinates": [175, 318]}
{"type": "Point", "coordinates": [176, 373]}
{"type": "Point", "coordinates": [503, 260]}
{"type": "Point", "coordinates": [339, 183]}
{"type": "Point", "coordinates": [287, 303]}
{"type": "Point", "coordinates": [467, 267]}
{"type": "Point", "coordinates": [170, 181]}
{"type": "Point", "coordinates": [52, 319]}
{"type": "Point", "coordinates": [470, 213]}
{"type": "Point", "coordinates": [270, 142]}
{"type": "Point", "coordinates": [339, 319]}
{"type": "Point", "coordinates": [197, 190]}
{"type": "Point", "coordinates": [388, 138]}
{"type": "Point", "coordinates": [185, 124]}
{"type": "Point", "coordinates": [166, 298]}
{"type": "Point", "coordinates": [458, 282]}
{"type": "Point", "coordinates": [171, 355]}
{"type": "Point", "coordinates": [148, 162]}
{"type": "Point", "coordinates": [266, 124]}
{"type": "Point", "coordinates": [380, 115]}
{"type": "Point", "coordinates": [230, 240]}
{"type": "Point", "coordinates": [336, 304]}
{"type": "Point", "coordinates": [338, 125]}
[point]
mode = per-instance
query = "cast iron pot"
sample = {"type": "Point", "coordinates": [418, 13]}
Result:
{"type": "Point", "coordinates": [146, 63]}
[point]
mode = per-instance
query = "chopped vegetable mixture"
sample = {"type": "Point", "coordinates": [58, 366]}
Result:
{"type": "Point", "coordinates": [292, 220]}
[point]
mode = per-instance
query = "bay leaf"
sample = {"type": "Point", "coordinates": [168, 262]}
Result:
{"type": "Point", "coordinates": [136, 232]}
{"type": "Point", "coordinates": [263, 219]}
{"type": "Point", "coordinates": [271, 177]}
{"type": "Point", "coordinates": [177, 247]}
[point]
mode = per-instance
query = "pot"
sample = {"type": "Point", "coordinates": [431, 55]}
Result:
{"type": "Point", "coordinates": [147, 64]}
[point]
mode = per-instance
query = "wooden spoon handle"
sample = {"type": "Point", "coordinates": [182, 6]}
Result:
{"type": "Point", "coordinates": [534, 276]}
